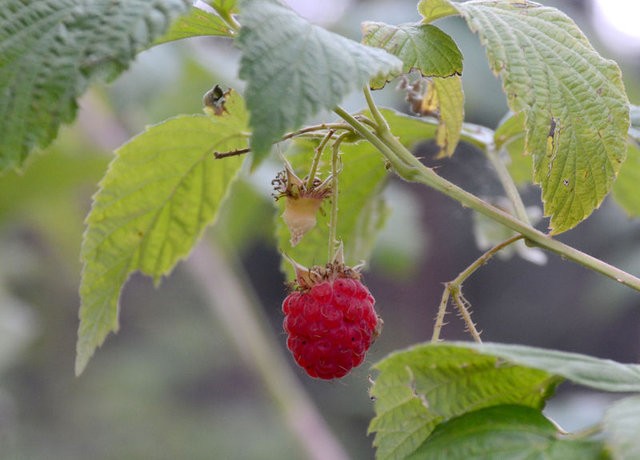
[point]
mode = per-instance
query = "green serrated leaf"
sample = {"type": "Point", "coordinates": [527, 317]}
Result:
{"type": "Point", "coordinates": [420, 46]}
{"type": "Point", "coordinates": [362, 210]}
{"type": "Point", "coordinates": [575, 106]}
{"type": "Point", "coordinates": [51, 50]}
{"type": "Point", "coordinates": [160, 192]}
{"type": "Point", "coordinates": [507, 432]}
{"type": "Point", "coordinates": [599, 374]}
{"type": "Point", "coordinates": [426, 385]}
{"type": "Point", "coordinates": [196, 23]}
{"type": "Point", "coordinates": [434, 53]}
{"type": "Point", "coordinates": [625, 189]}
{"type": "Point", "coordinates": [294, 69]}
{"type": "Point", "coordinates": [621, 423]}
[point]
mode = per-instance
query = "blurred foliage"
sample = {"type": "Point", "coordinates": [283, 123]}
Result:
{"type": "Point", "coordinates": [170, 385]}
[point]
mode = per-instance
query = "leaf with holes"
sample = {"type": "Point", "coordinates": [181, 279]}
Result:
{"type": "Point", "coordinates": [160, 192]}
{"type": "Point", "coordinates": [51, 50]}
{"type": "Point", "coordinates": [575, 107]}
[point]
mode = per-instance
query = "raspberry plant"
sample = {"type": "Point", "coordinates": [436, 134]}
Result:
{"type": "Point", "coordinates": [570, 130]}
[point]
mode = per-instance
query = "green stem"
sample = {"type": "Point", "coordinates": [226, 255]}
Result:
{"type": "Point", "coordinates": [507, 183]}
{"type": "Point", "coordinates": [377, 115]}
{"type": "Point", "coordinates": [410, 169]}
{"type": "Point", "coordinates": [463, 305]}
{"type": "Point", "coordinates": [454, 288]}
{"type": "Point", "coordinates": [442, 311]}
{"type": "Point", "coordinates": [483, 259]}
{"type": "Point", "coordinates": [333, 218]}
{"type": "Point", "coordinates": [316, 159]}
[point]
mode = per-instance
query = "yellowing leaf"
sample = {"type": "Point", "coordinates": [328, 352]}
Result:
{"type": "Point", "coordinates": [575, 107]}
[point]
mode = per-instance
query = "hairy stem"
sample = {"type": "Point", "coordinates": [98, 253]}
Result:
{"type": "Point", "coordinates": [232, 302]}
{"type": "Point", "coordinates": [316, 158]}
{"type": "Point", "coordinates": [291, 135]}
{"type": "Point", "coordinates": [463, 305]}
{"type": "Point", "coordinates": [442, 312]}
{"type": "Point", "coordinates": [454, 289]}
{"type": "Point", "coordinates": [335, 171]}
{"type": "Point", "coordinates": [410, 169]}
{"type": "Point", "coordinates": [377, 115]}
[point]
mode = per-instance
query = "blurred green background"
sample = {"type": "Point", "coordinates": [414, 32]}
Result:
{"type": "Point", "coordinates": [171, 384]}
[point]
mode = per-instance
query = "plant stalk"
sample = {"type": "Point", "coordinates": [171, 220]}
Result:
{"type": "Point", "coordinates": [410, 169]}
{"type": "Point", "coordinates": [507, 183]}
{"type": "Point", "coordinates": [454, 288]}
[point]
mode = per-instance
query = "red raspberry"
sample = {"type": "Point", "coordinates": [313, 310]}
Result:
{"type": "Point", "coordinates": [331, 322]}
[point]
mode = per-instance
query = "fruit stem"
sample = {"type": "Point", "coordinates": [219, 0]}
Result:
{"type": "Point", "coordinates": [316, 158]}
{"type": "Point", "coordinates": [245, 322]}
{"type": "Point", "coordinates": [410, 169]}
{"type": "Point", "coordinates": [333, 218]}
{"type": "Point", "coordinates": [454, 288]}
{"type": "Point", "coordinates": [380, 120]}
{"type": "Point", "coordinates": [291, 135]}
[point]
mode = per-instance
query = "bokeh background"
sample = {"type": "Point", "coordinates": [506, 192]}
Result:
{"type": "Point", "coordinates": [173, 383]}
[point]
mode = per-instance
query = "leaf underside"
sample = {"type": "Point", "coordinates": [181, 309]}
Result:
{"type": "Point", "coordinates": [294, 69]}
{"type": "Point", "coordinates": [574, 103]}
{"type": "Point", "coordinates": [621, 423]}
{"type": "Point", "coordinates": [51, 50]}
{"type": "Point", "coordinates": [160, 192]}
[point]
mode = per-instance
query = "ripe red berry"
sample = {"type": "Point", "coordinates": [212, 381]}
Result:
{"type": "Point", "coordinates": [331, 322]}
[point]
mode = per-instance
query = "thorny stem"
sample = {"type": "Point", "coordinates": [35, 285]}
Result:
{"type": "Point", "coordinates": [442, 311]}
{"type": "Point", "coordinates": [410, 169]}
{"type": "Point", "coordinates": [454, 288]}
{"type": "Point", "coordinates": [291, 135]}
{"type": "Point", "coordinates": [333, 218]}
{"type": "Point", "coordinates": [316, 158]}
{"type": "Point", "coordinates": [463, 305]}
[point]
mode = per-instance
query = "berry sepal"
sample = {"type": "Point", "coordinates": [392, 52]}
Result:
{"type": "Point", "coordinates": [302, 201]}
